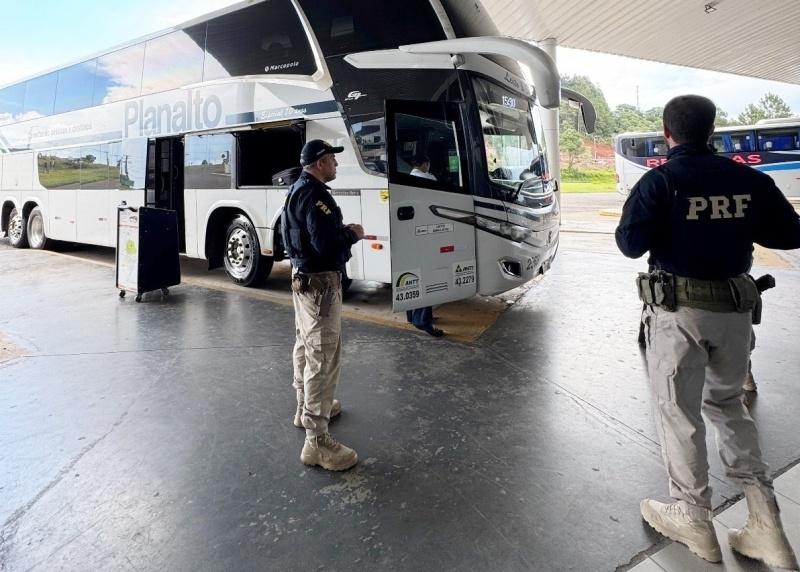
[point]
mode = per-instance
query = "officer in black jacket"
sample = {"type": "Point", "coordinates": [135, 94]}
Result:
{"type": "Point", "coordinates": [319, 245]}
{"type": "Point", "coordinates": [698, 216]}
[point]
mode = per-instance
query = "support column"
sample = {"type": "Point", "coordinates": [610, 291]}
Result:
{"type": "Point", "coordinates": [550, 120]}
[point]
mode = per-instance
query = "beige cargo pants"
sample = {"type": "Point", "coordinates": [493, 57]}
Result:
{"type": "Point", "coordinates": [318, 347]}
{"type": "Point", "coordinates": [697, 362]}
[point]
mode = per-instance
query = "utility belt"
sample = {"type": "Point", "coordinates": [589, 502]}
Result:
{"type": "Point", "coordinates": [738, 294]}
{"type": "Point", "coordinates": [321, 285]}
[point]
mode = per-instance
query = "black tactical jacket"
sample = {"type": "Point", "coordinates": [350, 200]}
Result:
{"type": "Point", "coordinates": [699, 214]}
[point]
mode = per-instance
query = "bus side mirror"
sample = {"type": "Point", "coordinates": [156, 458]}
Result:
{"type": "Point", "coordinates": [588, 113]}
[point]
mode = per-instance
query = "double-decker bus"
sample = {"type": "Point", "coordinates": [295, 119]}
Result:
{"type": "Point", "coordinates": [771, 146]}
{"type": "Point", "coordinates": [208, 119]}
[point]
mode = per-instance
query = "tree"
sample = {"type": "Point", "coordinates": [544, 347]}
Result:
{"type": "Point", "coordinates": [628, 118]}
{"type": "Point", "coordinates": [571, 142]}
{"type": "Point", "coordinates": [723, 119]}
{"type": "Point", "coordinates": [604, 127]}
{"type": "Point", "coordinates": [770, 106]}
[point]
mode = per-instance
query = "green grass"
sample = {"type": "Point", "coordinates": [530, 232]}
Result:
{"type": "Point", "coordinates": [588, 181]}
{"type": "Point", "coordinates": [578, 187]}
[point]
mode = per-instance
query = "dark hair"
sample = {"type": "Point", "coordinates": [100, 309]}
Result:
{"type": "Point", "coordinates": [690, 118]}
{"type": "Point", "coordinates": [420, 160]}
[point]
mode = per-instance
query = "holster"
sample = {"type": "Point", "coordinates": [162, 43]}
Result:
{"type": "Point", "coordinates": [301, 283]}
{"type": "Point", "coordinates": [746, 296]}
{"type": "Point", "coordinates": [319, 289]}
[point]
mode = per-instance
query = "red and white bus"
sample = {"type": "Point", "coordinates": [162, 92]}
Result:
{"type": "Point", "coordinates": [771, 146]}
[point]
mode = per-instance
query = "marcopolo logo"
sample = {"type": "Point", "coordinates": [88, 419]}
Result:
{"type": "Point", "coordinates": [408, 280]}
{"type": "Point", "coordinates": [194, 112]}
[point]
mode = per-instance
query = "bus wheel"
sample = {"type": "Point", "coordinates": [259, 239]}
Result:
{"type": "Point", "coordinates": [242, 256]}
{"type": "Point", "coordinates": [17, 230]}
{"type": "Point", "coordinates": [36, 236]}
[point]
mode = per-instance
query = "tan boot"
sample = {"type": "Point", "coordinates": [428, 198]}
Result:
{"type": "Point", "coordinates": [762, 537]}
{"type": "Point", "coordinates": [685, 523]}
{"type": "Point", "coordinates": [329, 454]}
{"type": "Point", "coordinates": [336, 409]}
{"type": "Point", "coordinates": [750, 383]}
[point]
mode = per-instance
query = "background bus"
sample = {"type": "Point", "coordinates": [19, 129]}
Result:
{"type": "Point", "coordinates": [206, 118]}
{"type": "Point", "coordinates": [771, 146]}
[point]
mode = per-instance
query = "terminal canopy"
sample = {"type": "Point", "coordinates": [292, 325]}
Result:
{"type": "Point", "coordinates": [758, 39]}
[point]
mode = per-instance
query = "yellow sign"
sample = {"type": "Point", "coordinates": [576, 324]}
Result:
{"type": "Point", "coordinates": [384, 196]}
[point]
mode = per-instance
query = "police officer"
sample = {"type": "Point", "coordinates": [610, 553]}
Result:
{"type": "Point", "coordinates": [698, 215]}
{"type": "Point", "coordinates": [319, 245]}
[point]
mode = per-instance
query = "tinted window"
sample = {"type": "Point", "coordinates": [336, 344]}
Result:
{"type": "Point", "coordinates": [119, 75]}
{"type": "Point", "coordinates": [429, 149]}
{"type": "Point", "coordinates": [75, 86]}
{"type": "Point", "coordinates": [60, 169]}
{"type": "Point", "coordinates": [348, 26]}
{"type": "Point", "coordinates": [133, 164]}
{"type": "Point", "coordinates": [12, 100]}
{"type": "Point", "coordinates": [634, 147]}
{"type": "Point", "coordinates": [263, 153]}
{"type": "Point", "coordinates": [208, 161]}
{"type": "Point", "coordinates": [265, 38]}
{"type": "Point", "coordinates": [40, 95]}
{"type": "Point", "coordinates": [779, 140]}
{"type": "Point", "coordinates": [174, 60]}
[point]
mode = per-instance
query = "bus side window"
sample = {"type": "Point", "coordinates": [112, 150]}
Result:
{"type": "Point", "coordinates": [207, 164]}
{"type": "Point", "coordinates": [779, 140]}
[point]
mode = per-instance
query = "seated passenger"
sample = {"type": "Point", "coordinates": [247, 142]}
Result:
{"type": "Point", "coordinates": [422, 167]}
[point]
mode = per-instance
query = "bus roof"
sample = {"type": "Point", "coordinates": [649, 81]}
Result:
{"type": "Point", "coordinates": [135, 41]}
{"type": "Point", "coordinates": [763, 124]}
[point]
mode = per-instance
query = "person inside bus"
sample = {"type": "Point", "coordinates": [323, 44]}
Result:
{"type": "Point", "coordinates": [422, 167]}
{"type": "Point", "coordinates": [422, 318]}
{"type": "Point", "coordinates": [319, 244]}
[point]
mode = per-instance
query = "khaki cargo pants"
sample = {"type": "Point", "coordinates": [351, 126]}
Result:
{"type": "Point", "coordinates": [317, 354]}
{"type": "Point", "coordinates": [697, 362]}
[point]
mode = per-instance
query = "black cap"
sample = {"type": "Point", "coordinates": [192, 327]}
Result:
{"type": "Point", "coordinates": [316, 149]}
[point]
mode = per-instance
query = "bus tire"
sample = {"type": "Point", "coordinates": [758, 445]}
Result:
{"type": "Point", "coordinates": [242, 254]}
{"type": "Point", "coordinates": [17, 229]}
{"type": "Point", "coordinates": [36, 237]}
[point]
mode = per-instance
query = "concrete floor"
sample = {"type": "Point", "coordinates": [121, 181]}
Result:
{"type": "Point", "coordinates": [158, 436]}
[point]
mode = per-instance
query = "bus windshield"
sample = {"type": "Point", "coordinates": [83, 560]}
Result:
{"type": "Point", "coordinates": [514, 156]}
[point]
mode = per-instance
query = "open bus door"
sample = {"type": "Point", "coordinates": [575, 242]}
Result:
{"type": "Point", "coordinates": [430, 204]}
{"type": "Point", "coordinates": [164, 187]}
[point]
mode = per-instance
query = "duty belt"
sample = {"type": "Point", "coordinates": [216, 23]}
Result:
{"type": "Point", "coordinates": [712, 295]}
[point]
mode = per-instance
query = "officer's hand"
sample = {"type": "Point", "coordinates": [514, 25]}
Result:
{"type": "Point", "coordinates": [358, 229]}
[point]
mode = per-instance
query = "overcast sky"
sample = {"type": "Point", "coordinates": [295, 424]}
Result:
{"type": "Point", "coordinates": [44, 34]}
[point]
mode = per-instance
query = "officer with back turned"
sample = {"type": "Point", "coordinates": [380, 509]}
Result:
{"type": "Point", "coordinates": [698, 215]}
{"type": "Point", "coordinates": [319, 245]}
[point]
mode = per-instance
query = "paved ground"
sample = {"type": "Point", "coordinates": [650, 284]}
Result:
{"type": "Point", "coordinates": [158, 435]}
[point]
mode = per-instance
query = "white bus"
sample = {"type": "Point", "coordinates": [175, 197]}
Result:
{"type": "Point", "coordinates": [771, 146]}
{"type": "Point", "coordinates": [206, 118]}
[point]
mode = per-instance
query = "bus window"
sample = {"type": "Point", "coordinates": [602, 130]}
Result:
{"type": "Point", "coordinates": [634, 147]}
{"type": "Point", "coordinates": [262, 153]}
{"type": "Point", "coordinates": [100, 166]}
{"type": "Point", "coordinates": [261, 39]}
{"type": "Point", "coordinates": [431, 140]}
{"type": "Point", "coordinates": [119, 75]}
{"type": "Point", "coordinates": [40, 95]}
{"type": "Point", "coordinates": [349, 26]}
{"type": "Point", "coordinates": [779, 139]}
{"type": "Point", "coordinates": [75, 87]}
{"type": "Point", "coordinates": [174, 60]}
{"type": "Point", "coordinates": [133, 163]}
{"type": "Point", "coordinates": [740, 142]}
{"type": "Point", "coordinates": [513, 154]}
{"type": "Point", "coordinates": [12, 100]}
{"type": "Point", "coordinates": [370, 136]}
{"type": "Point", "coordinates": [718, 144]}
{"type": "Point", "coordinates": [656, 147]}
{"type": "Point", "coordinates": [60, 168]}
{"type": "Point", "coordinates": [208, 161]}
